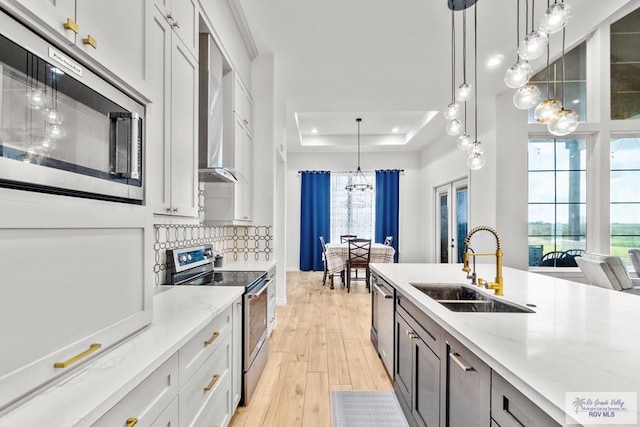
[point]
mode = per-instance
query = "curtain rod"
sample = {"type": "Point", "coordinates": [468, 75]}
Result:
{"type": "Point", "coordinates": [401, 170]}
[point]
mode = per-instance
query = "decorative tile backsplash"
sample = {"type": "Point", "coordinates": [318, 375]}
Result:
{"type": "Point", "coordinates": [233, 242]}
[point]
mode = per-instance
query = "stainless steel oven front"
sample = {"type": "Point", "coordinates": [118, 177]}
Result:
{"type": "Point", "coordinates": [64, 129]}
{"type": "Point", "coordinates": [255, 336]}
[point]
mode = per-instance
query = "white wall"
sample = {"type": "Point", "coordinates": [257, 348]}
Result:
{"type": "Point", "coordinates": [411, 193]}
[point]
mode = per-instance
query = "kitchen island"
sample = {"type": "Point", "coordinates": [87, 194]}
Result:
{"type": "Point", "coordinates": [579, 339]}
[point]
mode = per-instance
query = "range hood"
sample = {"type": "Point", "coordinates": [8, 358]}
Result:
{"type": "Point", "coordinates": [211, 147]}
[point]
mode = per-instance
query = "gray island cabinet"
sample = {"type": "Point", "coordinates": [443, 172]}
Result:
{"type": "Point", "coordinates": [502, 369]}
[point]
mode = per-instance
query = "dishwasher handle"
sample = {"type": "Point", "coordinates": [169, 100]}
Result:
{"type": "Point", "coordinates": [383, 291]}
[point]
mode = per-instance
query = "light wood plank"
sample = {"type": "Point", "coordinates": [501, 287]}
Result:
{"type": "Point", "coordinates": [321, 344]}
{"type": "Point", "coordinates": [317, 407]}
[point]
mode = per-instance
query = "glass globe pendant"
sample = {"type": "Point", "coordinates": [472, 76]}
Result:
{"type": "Point", "coordinates": [36, 99]}
{"type": "Point", "coordinates": [452, 111]}
{"type": "Point", "coordinates": [533, 45]}
{"type": "Point", "coordinates": [53, 116]}
{"type": "Point", "coordinates": [547, 110]}
{"type": "Point", "coordinates": [518, 74]}
{"type": "Point", "coordinates": [476, 161]}
{"type": "Point", "coordinates": [476, 147]}
{"type": "Point", "coordinates": [555, 18]}
{"type": "Point", "coordinates": [464, 141]}
{"type": "Point", "coordinates": [463, 92]}
{"type": "Point", "coordinates": [566, 122]}
{"type": "Point", "coordinates": [454, 127]}
{"type": "Point", "coordinates": [526, 97]}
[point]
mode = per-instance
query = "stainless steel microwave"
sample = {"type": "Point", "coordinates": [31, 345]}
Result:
{"type": "Point", "coordinates": [64, 129]}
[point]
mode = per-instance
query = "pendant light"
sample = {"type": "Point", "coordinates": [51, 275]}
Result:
{"type": "Point", "coordinates": [556, 17]}
{"type": "Point", "coordinates": [463, 92]}
{"type": "Point", "coordinates": [476, 159]}
{"type": "Point", "coordinates": [453, 109]}
{"type": "Point", "coordinates": [545, 112]}
{"type": "Point", "coordinates": [534, 43]}
{"type": "Point", "coordinates": [528, 95]}
{"type": "Point", "coordinates": [566, 121]}
{"type": "Point", "coordinates": [519, 73]}
{"type": "Point", "coordinates": [464, 141]}
{"type": "Point", "coordinates": [357, 181]}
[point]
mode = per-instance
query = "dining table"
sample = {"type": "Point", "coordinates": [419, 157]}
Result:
{"type": "Point", "coordinates": [338, 253]}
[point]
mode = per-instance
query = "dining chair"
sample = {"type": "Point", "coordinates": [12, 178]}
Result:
{"type": "Point", "coordinates": [557, 259]}
{"type": "Point", "coordinates": [388, 240]}
{"type": "Point", "coordinates": [344, 238]}
{"type": "Point", "coordinates": [359, 256]}
{"type": "Point", "coordinates": [607, 272]}
{"type": "Point", "coordinates": [634, 254]}
{"type": "Point", "coordinates": [324, 260]}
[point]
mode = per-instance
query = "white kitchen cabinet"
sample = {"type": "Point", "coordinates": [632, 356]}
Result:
{"type": "Point", "coordinates": [242, 104]}
{"type": "Point", "coordinates": [182, 15]}
{"type": "Point", "coordinates": [148, 401]}
{"type": "Point", "coordinates": [233, 202]}
{"type": "Point", "coordinates": [236, 351]}
{"type": "Point", "coordinates": [99, 30]}
{"type": "Point", "coordinates": [171, 121]}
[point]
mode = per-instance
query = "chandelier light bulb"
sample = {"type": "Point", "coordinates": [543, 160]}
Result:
{"type": "Point", "coordinates": [36, 99]}
{"type": "Point", "coordinates": [518, 75]}
{"type": "Point", "coordinates": [452, 111]}
{"type": "Point", "coordinates": [476, 161]}
{"type": "Point", "coordinates": [555, 18]}
{"type": "Point", "coordinates": [546, 111]}
{"type": "Point", "coordinates": [454, 127]}
{"type": "Point", "coordinates": [533, 45]}
{"type": "Point", "coordinates": [463, 92]}
{"type": "Point", "coordinates": [55, 131]}
{"type": "Point", "coordinates": [53, 116]}
{"type": "Point", "coordinates": [476, 147]}
{"type": "Point", "coordinates": [47, 144]}
{"type": "Point", "coordinates": [566, 122]}
{"type": "Point", "coordinates": [464, 141]}
{"type": "Point", "coordinates": [526, 97]}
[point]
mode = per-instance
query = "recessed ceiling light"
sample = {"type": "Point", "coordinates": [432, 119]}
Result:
{"type": "Point", "coordinates": [576, 101]}
{"type": "Point", "coordinates": [395, 129]}
{"type": "Point", "coordinates": [495, 60]}
{"type": "Point", "coordinates": [314, 130]}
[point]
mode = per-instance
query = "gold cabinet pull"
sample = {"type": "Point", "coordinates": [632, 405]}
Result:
{"type": "Point", "coordinates": [92, 348]}
{"type": "Point", "coordinates": [213, 382]}
{"type": "Point", "coordinates": [71, 25]}
{"type": "Point", "coordinates": [212, 339]}
{"type": "Point", "coordinates": [131, 422]}
{"type": "Point", "coordinates": [176, 24]}
{"type": "Point", "coordinates": [90, 41]}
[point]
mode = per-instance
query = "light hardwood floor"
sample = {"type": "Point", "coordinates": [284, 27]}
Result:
{"type": "Point", "coordinates": [321, 344]}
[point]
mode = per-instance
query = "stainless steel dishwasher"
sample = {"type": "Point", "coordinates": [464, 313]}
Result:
{"type": "Point", "coordinates": [383, 322]}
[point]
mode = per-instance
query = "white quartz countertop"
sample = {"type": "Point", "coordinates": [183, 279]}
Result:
{"type": "Point", "coordinates": [246, 265]}
{"type": "Point", "coordinates": [86, 394]}
{"type": "Point", "coordinates": [581, 338]}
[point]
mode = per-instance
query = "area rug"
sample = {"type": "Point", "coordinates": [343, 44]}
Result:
{"type": "Point", "coordinates": [366, 409]}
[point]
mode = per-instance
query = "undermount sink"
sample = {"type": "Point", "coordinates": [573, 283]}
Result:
{"type": "Point", "coordinates": [467, 299]}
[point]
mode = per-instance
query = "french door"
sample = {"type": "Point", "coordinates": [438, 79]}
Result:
{"type": "Point", "coordinates": [452, 220]}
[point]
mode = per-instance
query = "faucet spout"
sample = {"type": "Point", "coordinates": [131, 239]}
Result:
{"type": "Point", "coordinates": [497, 285]}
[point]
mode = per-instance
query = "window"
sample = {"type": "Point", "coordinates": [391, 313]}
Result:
{"type": "Point", "coordinates": [625, 196]}
{"type": "Point", "coordinates": [575, 83]}
{"type": "Point", "coordinates": [625, 67]}
{"type": "Point", "coordinates": [557, 200]}
{"type": "Point", "coordinates": [352, 213]}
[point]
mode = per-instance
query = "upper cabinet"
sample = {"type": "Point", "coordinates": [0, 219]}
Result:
{"type": "Point", "coordinates": [182, 15]}
{"type": "Point", "coordinates": [242, 104]}
{"type": "Point", "coordinates": [101, 31]}
{"type": "Point", "coordinates": [172, 119]}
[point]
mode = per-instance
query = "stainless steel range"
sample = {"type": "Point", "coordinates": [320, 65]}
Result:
{"type": "Point", "coordinates": [193, 266]}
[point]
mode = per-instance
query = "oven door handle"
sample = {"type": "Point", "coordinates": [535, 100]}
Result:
{"type": "Point", "coordinates": [256, 295]}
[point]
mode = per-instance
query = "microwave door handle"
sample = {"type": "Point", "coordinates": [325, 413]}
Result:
{"type": "Point", "coordinates": [134, 147]}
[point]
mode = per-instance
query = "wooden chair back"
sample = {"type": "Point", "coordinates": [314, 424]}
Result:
{"type": "Point", "coordinates": [344, 238]}
{"type": "Point", "coordinates": [359, 253]}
